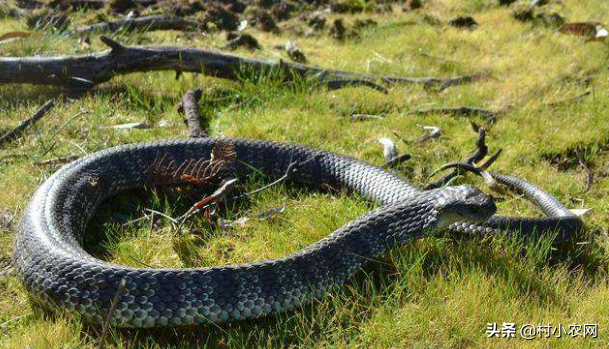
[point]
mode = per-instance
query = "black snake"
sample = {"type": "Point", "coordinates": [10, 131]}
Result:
{"type": "Point", "coordinates": [57, 271]}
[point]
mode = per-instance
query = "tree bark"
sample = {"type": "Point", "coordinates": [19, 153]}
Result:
{"type": "Point", "coordinates": [192, 114]}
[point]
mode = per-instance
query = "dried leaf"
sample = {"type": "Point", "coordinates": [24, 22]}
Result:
{"type": "Point", "coordinates": [390, 152]}
{"type": "Point", "coordinates": [237, 223]}
{"type": "Point", "coordinates": [270, 213]}
{"type": "Point", "coordinates": [491, 182]}
{"type": "Point", "coordinates": [433, 132]}
{"type": "Point", "coordinates": [242, 222]}
{"type": "Point", "coordinates": [580, 212]}
{"type": "Point", "coordinates": [131, 126]}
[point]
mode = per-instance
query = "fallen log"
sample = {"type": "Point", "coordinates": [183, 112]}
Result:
{"type": "Point", "coordinates": [84, 72]}
{"type": "Point", "coordinates": [148, 23]}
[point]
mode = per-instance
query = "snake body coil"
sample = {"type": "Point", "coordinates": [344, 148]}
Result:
{"type": "Point", "coordinates": [56, 270]}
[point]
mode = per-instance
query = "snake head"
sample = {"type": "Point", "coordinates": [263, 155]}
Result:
{"type": "Point", "coordinates": [463, 203]}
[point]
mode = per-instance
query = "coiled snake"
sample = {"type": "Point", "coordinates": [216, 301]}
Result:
{"type": "Point", "coordinates": [57, 271]}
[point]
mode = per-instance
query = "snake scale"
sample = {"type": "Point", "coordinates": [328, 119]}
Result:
{"type": "Point", "coordinates": [59, 273]}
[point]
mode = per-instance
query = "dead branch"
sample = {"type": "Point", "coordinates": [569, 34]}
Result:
{"type": "Point", "coordinates": [19, 129]}
{"type": "Point", "coordinates": [491, 159]}
{"type": "Point", "coordinates": [226, 187]}
{"type": "Point", "coordinates": [84, 72]}
{"type": "Point", "coordinates": [192, 114]}
{"type": "Point", "coordinates": [573, 99]}
{"type": "Point", "coordinates": [77, 4]}
{"type": "Point", "coordinates": [57, 161]}
{"type": "Point", "coordinates": [489, 180]}
{"type": "Point", "coordinates": [584, 164]}
{"type": "Point", "coordinates": [364, 117]}
{"type": "Point", "coordinates": [340, 84]}
{"type": "Point", "coordinates": [481, 148]}
{"type": "Point", "coordinates": [147, 23]}
{"type": "Point", "coordinates": [122, 286]}
{"type": "Point", "coordinates": [461, 111]}
{"type": "Point", "coordinates": [396, 161]}
{"type": "Point", "coordinates": [439, 83]}
{"type": "Point", "coordinates": [481, 152]}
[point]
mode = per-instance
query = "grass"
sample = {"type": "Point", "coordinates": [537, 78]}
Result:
{"type": "Point", "coordinates": [437, 292]}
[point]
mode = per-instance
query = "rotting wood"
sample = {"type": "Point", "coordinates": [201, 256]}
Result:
{"type": "Point", "coordinates": [192, 114]}
{"type": "Point", "coordinates": [84, 72]}
{"type": "Point", "coordinates": [19, 129]}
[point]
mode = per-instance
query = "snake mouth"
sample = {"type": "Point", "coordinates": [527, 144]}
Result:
{"type": "Point", "coordinates": [479, 208]}
{"type": "Point", "coordinates": [465, 203]}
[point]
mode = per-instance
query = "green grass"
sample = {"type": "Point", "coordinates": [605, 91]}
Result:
{"type": "Point", "coordinates": [437, 292]}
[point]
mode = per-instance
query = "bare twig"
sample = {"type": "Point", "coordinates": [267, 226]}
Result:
{"type": "Point", "coordinates": [439, 84]}
{"type": "Point", "coordinates": [288, 171]}
{"type": "Point", "coordinates": [19, 129]}
{"type": "Point", "coordinates": [226, 187]}
{"type": "Point", "coordinates": [340, 84]}
{"type": "Point", "coordinates": [586, 167]}
{"type": "Point", "coordinates": [148, 23]}
{"type": "Point", "coordinates": [491, 160]}
{"type": "Point", "coordinates": [192, 114]}
{"type": "Point", "coordinates": [56, 161]}
{"type": "Point", "coordinates": [396, 161]}
{"type": "Point", "coordinates": [488, 178]}
{"type": "Point", "coordinates": [292, 168]}
{"type": "Point", "coordinates": [576, 98]}
{"type": "Point", "coordinates": [456, 81]}
{"type": "Point", "coordinates": [425, 54]}
{"type": "Point", "coordinates": [171, 219]}
{"type": "Point", "coordinates": [65, 124]}
{"type": "Point", "coordinates": [481, 152]}
{"type": "Point", "coordinates": [6, 323]}
{"type": "Point", "coordinates": [364, 117]}
{"type": "Point", "coordinates": [481, 148]}
{"type": "Point", "coordinates": [462, 111]}
{"type": "Point", "coordinates": [122, 286]}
